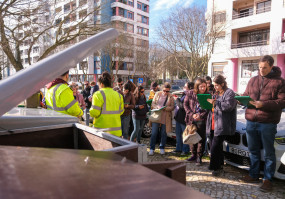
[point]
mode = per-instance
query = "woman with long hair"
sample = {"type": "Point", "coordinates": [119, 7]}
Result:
{"type": "Point", "coordinates": [162, 99]}
{"type": "Point", "coordinates": [221, 122]}
{"type": "Point", "coordinates": [139, 113]}
{"type": "Point", "coordinates": [197, 116]}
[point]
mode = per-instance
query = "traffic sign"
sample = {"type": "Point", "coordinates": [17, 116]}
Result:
{"type": "Point", "coordinates": [140, 80]}
{"type": "Point", "coordinates": [132, 80]}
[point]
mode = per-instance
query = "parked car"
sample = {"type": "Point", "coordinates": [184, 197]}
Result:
{"type": "Point", "coordinates": [175, 88]}
{"type": "Point", "coordinates": [236, 151]}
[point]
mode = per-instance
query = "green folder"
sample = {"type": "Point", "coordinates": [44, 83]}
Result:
{"type": "Point", "coordinates": [149, 102]}
{"type": "Point", "coordinates": [202, 98]}
{"type": "Point", "coordinates": [244, 100]}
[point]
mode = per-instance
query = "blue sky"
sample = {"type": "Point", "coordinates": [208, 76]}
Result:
{"type": "Point", "coordinates": [160, 9]}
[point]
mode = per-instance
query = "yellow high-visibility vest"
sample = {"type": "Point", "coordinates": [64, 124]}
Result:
{"type": "Point", "coordinates": [107, 107]}
{"type": "Point", "coordinates": [60, 98]}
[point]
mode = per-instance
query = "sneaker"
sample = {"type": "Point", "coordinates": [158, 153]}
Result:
{"type": "Point", "coordinates": [266, 186]}
{"type": "Point", "coordinates": [218, 172]}
{"type": "Point", "coordinates": [175, 151]}
{"type": "Point", "coordinates": [249, 179]}
{"type": "Point", "coordinates": [151, 152]}
{"type": "Point", "coordinates": [183, 153]}
{"type": "Point", "coordinates": [198, 162]}
{"type": "Point", "coordinates": [192, 158]}
{"type": "Point", "coordinates": [162, 152]}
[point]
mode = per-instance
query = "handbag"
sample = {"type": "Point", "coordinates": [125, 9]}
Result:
{"type": "Point", "coordinates": [155, 116]}
{"type": "Point", "coordinates": [190, 135]}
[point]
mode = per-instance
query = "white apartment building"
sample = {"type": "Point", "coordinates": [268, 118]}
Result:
{"type": "Point", "coordinates": [253, 28]}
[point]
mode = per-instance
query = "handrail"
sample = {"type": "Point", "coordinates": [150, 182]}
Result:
{"type": "Point", "coordinates": [250, 44]}
{"type": "Point", "coordinates": [250, 13]}
{"type": "Point", "coordinates": [26, 82]}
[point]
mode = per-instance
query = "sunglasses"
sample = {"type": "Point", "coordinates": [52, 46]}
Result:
{"type": "Point", "coordinates": [166, 91]}
{"type": "Point", "coordinates": [142, 91]}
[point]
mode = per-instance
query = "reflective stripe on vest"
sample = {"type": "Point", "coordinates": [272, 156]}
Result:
{"type": "Point", "coordinates": [54, 107]}
{"type": "Point", "coordinates": [108, 129]}
{"type": "Point", "coordinates": [104, 111]}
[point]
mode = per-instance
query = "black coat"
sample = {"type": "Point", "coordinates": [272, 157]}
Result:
{"type": "Point", "coordinates": [180, 114]}
{"type": "Point", "coordinates": [140, 114]}
{"type": "Point", "coordinates": [86, 94]}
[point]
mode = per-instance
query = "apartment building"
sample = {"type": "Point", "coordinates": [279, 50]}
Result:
{"type": "Point", "coordinates": [130, 17]}
{"type": "Point", "coordinates": [252, 28]}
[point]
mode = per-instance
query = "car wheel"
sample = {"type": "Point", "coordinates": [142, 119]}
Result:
{"type": "Point", "coordinates": [146, 130]}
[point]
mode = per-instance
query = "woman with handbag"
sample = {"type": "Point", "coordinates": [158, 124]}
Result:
{"type": "Point", "coordinates": [179, 117]}
{"type": "Point", "coordinates": [221, 122]}
{"type": "Point", "coordinates": [161, 99]}
{"type": "Point", "coordinates": [139, 113]}
{"type": "Point", "coordinates": [197, 116]}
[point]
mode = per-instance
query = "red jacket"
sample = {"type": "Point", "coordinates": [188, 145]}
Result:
{"type": "Point", "coordinates": [270, 90]}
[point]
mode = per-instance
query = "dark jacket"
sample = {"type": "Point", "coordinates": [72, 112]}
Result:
{"type": "Point", "coordinates": [94, 89]}
{"type": "Point", "coordinates": [270, 90]}
{"type": "Point", "coordinates": [225, 114]}
{"type": "Point", "coordinates": [86, 93]}
{"type": "Point", "coordinates": [190, 103]}
{"type": "Point", "coordinates": [140, 114]}
{"type": "Point", "coordinates": [180, 113]}
{"type": "Point", "coordinates": [130, 100]}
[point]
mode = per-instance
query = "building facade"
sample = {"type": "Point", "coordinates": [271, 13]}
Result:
{"type": "Point", "coordinates": [252, 29]}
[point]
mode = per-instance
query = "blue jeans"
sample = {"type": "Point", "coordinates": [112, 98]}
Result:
{"type": "Point", "coordinates": [179, 141]}
{"type": "Point", "coordinates": [125, 121]}
{"type": "Point", "coordinates": [258, 135]}
{"type": "Point", "coordinates": [138, 128]}
{"type": "Point", "coordinates": [154, 132]}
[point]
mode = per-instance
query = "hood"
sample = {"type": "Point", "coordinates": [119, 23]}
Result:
{"type": "Point", "coordinates": [55, 82]}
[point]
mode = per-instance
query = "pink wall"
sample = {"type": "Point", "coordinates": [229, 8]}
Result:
{"type": "Point", "coordinates": [235, 73]}
{"type": "Point", "coordinates": [281, 63]}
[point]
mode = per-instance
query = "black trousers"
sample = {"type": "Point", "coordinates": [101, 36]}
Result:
{"type": "Point", "coordinates": [217, 154]}
{"type": "Point", "coordinates": [199, 148]}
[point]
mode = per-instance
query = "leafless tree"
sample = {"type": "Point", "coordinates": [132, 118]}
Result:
{"type": "Point", "coordinates": [189, 37]}
{"type": "Point", "coordinates": [31, 22]}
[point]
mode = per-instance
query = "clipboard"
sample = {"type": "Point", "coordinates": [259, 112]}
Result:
{"type": "Point", "coordinates": [158, 109]}
{"type": "Point", "coordinates": [202, 98]}
{"type": "Point", "coordinates": [244, 100]}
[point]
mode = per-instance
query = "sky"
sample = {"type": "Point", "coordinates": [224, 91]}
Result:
{"type": "Point", "coordinates": [160, 9]}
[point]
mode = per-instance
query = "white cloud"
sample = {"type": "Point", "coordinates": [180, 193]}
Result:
{"type": "Point", "coordinates": [167, 4]}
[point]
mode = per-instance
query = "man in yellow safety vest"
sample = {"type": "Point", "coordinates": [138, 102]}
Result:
{"type": "Point", "coordinates": [59, 97]}
{"type": "Point", "coordinates": [107, 107]}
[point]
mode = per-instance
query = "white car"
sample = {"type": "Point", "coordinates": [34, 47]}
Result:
{"type": "Point", "coordinates": [236, 151]}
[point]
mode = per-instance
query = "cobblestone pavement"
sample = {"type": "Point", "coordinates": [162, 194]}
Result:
{"type": "Point", "coordinates": [226, 186]}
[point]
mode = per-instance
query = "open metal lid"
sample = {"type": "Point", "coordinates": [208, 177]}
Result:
{"type": "Point", "coordinates": [28, 81]}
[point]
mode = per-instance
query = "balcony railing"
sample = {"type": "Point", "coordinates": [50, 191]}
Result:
{"type": "Point", "coordinates": [250, 44]}
{"type": "Point", "coordinates": [250, 13]}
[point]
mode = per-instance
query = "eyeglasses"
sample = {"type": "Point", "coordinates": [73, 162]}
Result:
{"type": "Point", "coordinates": [166, 91]}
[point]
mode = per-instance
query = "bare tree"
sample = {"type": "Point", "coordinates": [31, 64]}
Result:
{"type": "Point", "coordinates": [120, 51]}
{"type": "Point", "coordinates": [190, 37]}
{"type": "Point", "coordinates": [40, 22]}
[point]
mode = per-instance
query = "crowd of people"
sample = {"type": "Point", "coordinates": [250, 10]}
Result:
{"type": "Point", "coordinates": [113, 109]}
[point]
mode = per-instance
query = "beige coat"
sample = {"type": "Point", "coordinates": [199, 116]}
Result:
{"type": "Point", "coordinates": [169, 108]}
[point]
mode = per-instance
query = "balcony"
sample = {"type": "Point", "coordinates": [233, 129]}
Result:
{"type": "Point", "coordinates": [239, 10]}
{"type": "Point", "coordinates": [250, 44]}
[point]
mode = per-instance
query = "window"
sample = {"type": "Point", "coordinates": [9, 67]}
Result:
{"type": "Point", "coordinates": [255, 36]}
{"type": "Point", "coordinates": [130, 15]}
{"type": "Point", "coordinates": [218, 68]}
{"type": "Point", "coordinates": [249, 68]}
{"type": "Point", "coordinates": [121, 12]}
{"type": "Point", "coordinates": [263, 7]}
{"type": "Point", "coordinates": [245, 12]}
{"type": "Point", "coordinates": [220, 17]}
{"type": "Point", "coordinates": [57, 21]}
{"type": "Point", "coordinates": [142, 19]}
{"type": "Point", "coordinates": [139, 6]}
{"type": "Point", "coordinates": [130, 28]}
{"type": "Point", "coordinates": [131, 3]}
{"type": "Point", "coordinates": [142, 31]}
{"type": "Point", "coordinates": [35, 49]}
{"type": "Point", "coordinates": [82, 14]}
{"type": "Point", "coordinates": [66, 7]}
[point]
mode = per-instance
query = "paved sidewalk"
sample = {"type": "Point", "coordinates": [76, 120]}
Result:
{"type": "Point", "coordinates": [226, 186]}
